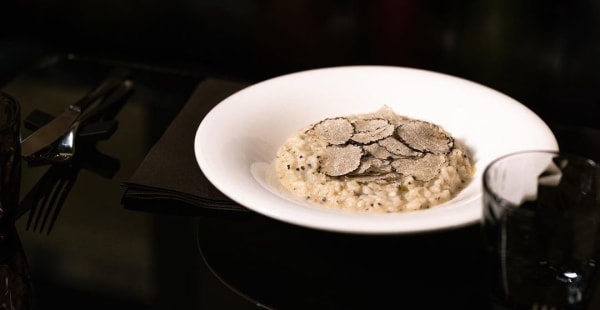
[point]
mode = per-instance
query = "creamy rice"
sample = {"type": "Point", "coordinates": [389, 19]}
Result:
{"type": "Point", "coordinates": [300, 161]}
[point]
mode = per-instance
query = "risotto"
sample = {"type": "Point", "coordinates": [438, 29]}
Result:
{"type": "Point", "coordinates": [379, 162]}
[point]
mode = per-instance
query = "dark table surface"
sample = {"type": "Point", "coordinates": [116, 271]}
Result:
{"type": "Point", "coordinates": [101, 254]}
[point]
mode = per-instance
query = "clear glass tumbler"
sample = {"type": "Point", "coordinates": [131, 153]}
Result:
{"type": "Point", "coordinates": [541, 223]}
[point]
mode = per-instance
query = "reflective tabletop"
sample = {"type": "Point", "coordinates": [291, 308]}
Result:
{"type": "Point", "coordinates": [101, 253]}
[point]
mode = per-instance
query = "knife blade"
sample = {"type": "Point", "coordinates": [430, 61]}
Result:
{"type": "Point", "coordinates": [56, 128]}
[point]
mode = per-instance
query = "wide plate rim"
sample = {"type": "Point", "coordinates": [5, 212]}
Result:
{"type": "Point", "coordinates": [412, 222]}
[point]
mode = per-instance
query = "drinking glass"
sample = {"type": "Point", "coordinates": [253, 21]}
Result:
{"type": "Point", "coordinates": [15, 283]}
{"type": "Point", "coordinates": [541, 225]}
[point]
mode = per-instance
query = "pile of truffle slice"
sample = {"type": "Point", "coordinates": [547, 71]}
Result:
{"type": "Point", "coordinates": [375, 149]}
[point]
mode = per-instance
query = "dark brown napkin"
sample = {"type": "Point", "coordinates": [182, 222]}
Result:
{"type": "Point", "coordinates": [169, 175]}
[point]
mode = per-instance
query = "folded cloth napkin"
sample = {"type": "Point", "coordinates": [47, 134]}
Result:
{"type": "Point", "coordinates": [169, 177]}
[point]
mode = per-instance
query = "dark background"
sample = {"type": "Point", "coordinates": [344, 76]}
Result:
{"type": "Point", "coordinates": [542, 53]}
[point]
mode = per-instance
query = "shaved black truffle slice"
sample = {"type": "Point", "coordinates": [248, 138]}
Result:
{"type": "Point", "coordinates": [334, 130]}
{"type": "Point", "coordinates": [425, 137]}
{"type": "Point", "coordinates": [372, 166]}
{"type": "Point", "coordinates": [364, 166]}
{"type": "Point", "coordinates": [377, 150]}
{"type": "Point", "coordinates": [397, 147]}
{"type": "Point", "coordinates": [341, 160]}
{"type": "Point", "coordinates": [424, 168]}
{"type": "Point", "coordinates": [371, 130]}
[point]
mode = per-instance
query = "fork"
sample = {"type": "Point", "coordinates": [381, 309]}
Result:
{"type": "Point", "coordinates": [47, 197]}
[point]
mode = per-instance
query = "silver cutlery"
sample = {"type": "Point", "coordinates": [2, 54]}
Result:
{"type": "Point", "coordinates": [63, 150]}
{"type": "Point", "coordinates": [46, 199]}
{"type": "Point", "coordinates": [55, 129]}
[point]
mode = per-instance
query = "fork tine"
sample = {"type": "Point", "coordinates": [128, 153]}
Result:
{"type": "Point", "coordinates": [44, 205]}
{"type": "Point", "coordinates": [31, 201]}
{"type": "Point", "coordinates": [47, 197]}
{"type": "Point", "coordinates": [45, 200]}
{"type": "Point", "coordinates": [61, 200]}
{"type": "Point", "coordinates": [38, 208]}
{"type": "Point", "coordinates": [56, 193]}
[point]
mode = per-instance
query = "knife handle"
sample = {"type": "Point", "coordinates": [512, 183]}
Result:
{"type": "Point", "coordinates": [114, 99]}
{"type": "Point", "coordinates": [108, 84]}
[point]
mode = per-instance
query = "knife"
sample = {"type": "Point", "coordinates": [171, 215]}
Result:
{"type": "Point", "coordinates": [63, 150]}
{"type": "Point", "coordinates": [57, 127]}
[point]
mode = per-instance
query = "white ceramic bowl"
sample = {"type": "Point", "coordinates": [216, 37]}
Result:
{"type": "Point", "coordinates": [238, 139]}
